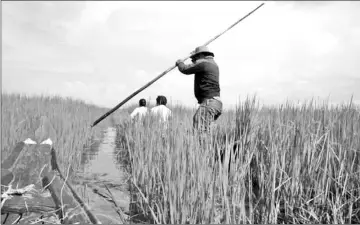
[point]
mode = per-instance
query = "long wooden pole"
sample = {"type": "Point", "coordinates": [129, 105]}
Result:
{"type": "Point", "coordinates": [168, 70]}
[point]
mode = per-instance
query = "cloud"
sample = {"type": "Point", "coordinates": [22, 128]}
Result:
{"type": "Point", "coordinates": [104, 93]}
{"type": "Point", "coordinates": [104, 51]}
{"type": "Point", "coordinates": [41, 22]}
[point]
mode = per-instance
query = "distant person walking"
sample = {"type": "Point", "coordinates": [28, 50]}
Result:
{"type": "Point", "coordinates": [160, 109]}
{"type": "Point", "coordinates": [206, 86]}
{"type": "Point", "coordinates": [140, 111]}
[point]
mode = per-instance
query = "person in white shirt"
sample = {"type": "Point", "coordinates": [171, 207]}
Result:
{"type": "Point", "coordinates": [140, 111]}
{"type": "Point", "coordinates": [161, 109]}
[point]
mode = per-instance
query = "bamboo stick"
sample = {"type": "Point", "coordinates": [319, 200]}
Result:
{"type": "Point", "coordinates": [168, 70]}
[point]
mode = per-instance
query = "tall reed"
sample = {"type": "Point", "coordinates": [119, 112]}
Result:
{"type": "Point", "coordinates": [69, 120]}
{"type": "Point", "coordinates": [284, 164]}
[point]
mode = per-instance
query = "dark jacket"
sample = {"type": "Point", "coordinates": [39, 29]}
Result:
{"type": "Point", "coordinates": [206, 79]}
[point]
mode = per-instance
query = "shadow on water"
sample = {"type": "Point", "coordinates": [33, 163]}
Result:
{"type": "Point", "coordinates": [101, 166]}
{"type": "Point", "coordinates": [90, 153]}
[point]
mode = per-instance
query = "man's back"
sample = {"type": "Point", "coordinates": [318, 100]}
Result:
{"type": "Point", "coordinates": [163, 111]}
{"type": "Point", "coordinates": [141, 111]}
{"type": "Point", "coordinates": [206, 80]}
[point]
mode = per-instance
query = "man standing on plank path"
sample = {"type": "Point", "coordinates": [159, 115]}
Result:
{"type": "Point", "coordinates": [206, 87]}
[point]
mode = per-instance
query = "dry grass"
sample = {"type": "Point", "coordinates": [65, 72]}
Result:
{"type": "Point", "coordinates": [293, 165]}
{"type": "Point", "coordinates": [67, 123]}
{"type": "Point", "coordinates": [70, 121]}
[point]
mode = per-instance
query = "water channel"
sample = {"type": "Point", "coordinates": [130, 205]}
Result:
{"type": "Point", "coordinates": [100, 167]}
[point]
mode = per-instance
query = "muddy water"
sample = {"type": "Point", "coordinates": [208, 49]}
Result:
{"type": "Point", "coordinates": [101, 167]}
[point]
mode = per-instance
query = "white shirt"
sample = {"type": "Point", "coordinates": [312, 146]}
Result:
{"type": "Point", "coordinates": [163, 111]}
{"type": "Point", "coordinates": [141, 111]}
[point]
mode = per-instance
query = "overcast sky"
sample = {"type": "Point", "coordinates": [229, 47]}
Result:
{"type": "Point", "coordinates": [103, 51]}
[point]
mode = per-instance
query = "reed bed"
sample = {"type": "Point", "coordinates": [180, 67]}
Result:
{"type": "Point", "coordinates": [280, 164]}
{"type": "Point", "coordinates": [67, 124]}
{"type": "Point", "coordinates": [283, 164]}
